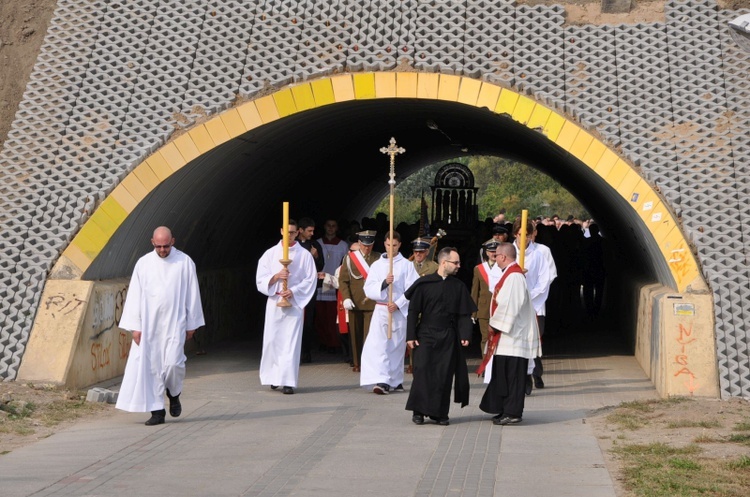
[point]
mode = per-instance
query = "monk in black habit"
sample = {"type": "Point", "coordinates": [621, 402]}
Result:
{"type": "Point", "coordinates": [438, 326]}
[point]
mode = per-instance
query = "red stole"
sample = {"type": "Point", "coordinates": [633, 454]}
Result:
{"type": "Point", "coordinates": [493, 336]}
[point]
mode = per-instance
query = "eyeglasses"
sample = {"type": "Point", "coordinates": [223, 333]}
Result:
{"type": "Point", "coordinates": [162, 246]}
{"type": "Point", "coordinates": [457, 263]}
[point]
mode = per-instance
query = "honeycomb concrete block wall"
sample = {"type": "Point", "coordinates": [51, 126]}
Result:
{"type": "Point", "coordinates": [115, 80]}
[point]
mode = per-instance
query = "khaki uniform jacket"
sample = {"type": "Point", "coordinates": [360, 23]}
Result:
{"type": "Point", "coordinates": [352, 284]}
{"type": "Point", "coordinates": [481, 295]}
{"type": "Point", "coordinates": [428, 267]}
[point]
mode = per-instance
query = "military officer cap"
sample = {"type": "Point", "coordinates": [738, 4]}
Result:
{"type": "Point", "coordinates": [367, 237]}
{"type": "Point", "coordinates": [490, 244]}
{"type": "Point", "coordinates": [499, 229]}
{"type": "Point", "coordinates": [420, 244]}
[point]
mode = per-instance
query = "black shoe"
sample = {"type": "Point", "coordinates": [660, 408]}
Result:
{"type": "Point", "coordinates": [175, 406]}
{"type": "Point", "coordinates": [399, 388]}
{"type": "Point", "coordinates": [538, 383]}
{"type": "Point", "coordinates": [529, 384]}
{"type": "Point", "coordinates": [288, 390]}
{"type": "Point", "coordinates": [497, 417]}
{"type": "Point", "coordinates": [417, 419]}
{"type": "Point", "coordinates": [506, 420]}
{"type": "Point", "coordinates": [443, 421]}
{"type": "Point", "coordinates": [274, 387]}
{"type": "Point", "coordinates": [381, 389]}
{"type": "Point", "coordinates": [157, 418]}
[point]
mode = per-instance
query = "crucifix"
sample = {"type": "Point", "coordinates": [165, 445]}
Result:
{"type": "Point", "coordinates": [392, 150]}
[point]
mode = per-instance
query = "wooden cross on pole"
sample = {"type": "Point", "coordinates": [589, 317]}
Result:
{"type": "Point", "coordinates": [392, 150]}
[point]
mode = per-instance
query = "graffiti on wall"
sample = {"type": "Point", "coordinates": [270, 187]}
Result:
{"type": "Point", "coordinates": [106, 311]}
{"type": "Point", "coordinates": [684, 338]}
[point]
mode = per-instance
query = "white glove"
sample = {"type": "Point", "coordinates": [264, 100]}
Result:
{"type": "Point", "coordinates": [473, 320]}
{"type": "Point", "coordinates": [348, 304]}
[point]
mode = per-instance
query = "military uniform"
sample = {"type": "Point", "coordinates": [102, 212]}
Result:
{"type": "Point", "coordinates": [427, 266]}
{"type": "Point", "coordinates": [481, 293]}
{"type": "Point", "coordinates": [352, 287]}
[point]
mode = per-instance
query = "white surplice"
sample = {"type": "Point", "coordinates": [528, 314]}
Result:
{"type": "Point", "coordinates": [282, 330]}
{"type": "Point", "coordinates": [382, 359]}
{"type": "Point", "coordinates": [163, 302]}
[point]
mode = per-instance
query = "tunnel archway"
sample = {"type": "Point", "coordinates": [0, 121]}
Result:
{"type": "Point", "coordinates": [220, 185]}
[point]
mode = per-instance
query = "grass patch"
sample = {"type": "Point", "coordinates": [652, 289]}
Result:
{"type": "Point", "coordinates": [740, 439]}
{"type": "Point", "coordinates": [686, 423]}
{"type": "Point", "coordinates": [743, 426]}
{"type": "Point", "coordinates": [742, 463]}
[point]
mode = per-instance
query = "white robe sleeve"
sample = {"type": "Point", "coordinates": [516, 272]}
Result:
{"type": "Point", "coordinates": [131, 312]}
{"type": "Point", "coordinates": [194, 310]}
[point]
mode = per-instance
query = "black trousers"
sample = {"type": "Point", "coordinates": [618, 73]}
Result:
{"type": "Point", "coordinates": [506, 392]}
{"type": "Point", "coordinates": [538, 368]}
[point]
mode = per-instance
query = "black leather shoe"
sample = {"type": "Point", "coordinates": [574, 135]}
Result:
{"type": "Point", "coordinates": [417, 419]}
{"type": "Point", "coordinates": [506, 420]}
{"type": "Point", "coordinates": [498, 417]}
{"type": "Point", "coordinates": [157, 418]}
{"type": "Point", "coordinates": [529, 384]}
{"type": "Point", "coordinates": [274, 387]}
{"type": "Point", "coordinates": [175, 406]}
{"type": "Point", "coordinates": [288, 390]}
{"type": "Point", "coordinates": [538, 383]}
{"type": "Point", "coordinates": [443, 421]}
{"type": "Point", "coordinates": [399, 388]}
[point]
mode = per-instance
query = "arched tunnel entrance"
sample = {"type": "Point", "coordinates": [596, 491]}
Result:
{"type": "Point", "coordinates": [220, 186]}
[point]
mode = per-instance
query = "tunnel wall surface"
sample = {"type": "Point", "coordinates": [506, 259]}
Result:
{"type": "Point", "coordinates": [114, 81]}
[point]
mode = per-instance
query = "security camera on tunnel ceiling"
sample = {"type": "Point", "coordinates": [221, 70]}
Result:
{"type": "Point", "coordinates": [740, 31]}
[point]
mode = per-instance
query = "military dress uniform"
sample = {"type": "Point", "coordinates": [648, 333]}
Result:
{"type": "Point", "coordinates": [428, 266]}
{"type": "Point", "coordinates": [352, 286]}
{"type": "Point", "coordinates": [481, 293]}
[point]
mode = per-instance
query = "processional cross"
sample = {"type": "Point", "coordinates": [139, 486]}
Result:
{"type": "Point", "coordinates": [392, 150]}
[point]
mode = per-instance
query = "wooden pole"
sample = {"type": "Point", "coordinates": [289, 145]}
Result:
{"type": "Point", "coordinates": [285, 261]}
{"type": "Point", "coordinates": [391, 150]}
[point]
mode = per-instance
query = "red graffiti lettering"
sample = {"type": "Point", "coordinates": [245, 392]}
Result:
{"type": "Point", "coordinates": [681, 360]}
{"type": "Point", "coordinates": [124, 342]}
{"type": "Point", "coordinates": [685, 371]}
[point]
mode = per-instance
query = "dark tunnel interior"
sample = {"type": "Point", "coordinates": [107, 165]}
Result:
{"type": "Point", "coordinates": [225, 207]}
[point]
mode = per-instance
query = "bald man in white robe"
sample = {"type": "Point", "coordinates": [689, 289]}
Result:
{"type": "Point", "coordinates": [162, 310]}
{"type": "Point", "coordinates": [282, 330]}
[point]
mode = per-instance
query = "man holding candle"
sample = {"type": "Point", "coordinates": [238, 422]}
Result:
{"type": "Point", "coordinates": [288, 288]}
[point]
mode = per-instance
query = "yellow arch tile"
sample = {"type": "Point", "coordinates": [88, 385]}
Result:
{"type": "Point", "coordinates": [364, 86]}
{"type": "Point", "coordinates": [523, 109]}
{"type": "Point", "coordinates": [606, 163]}
{"type": "Point", "coordinates": [202, 139]}
{"type": "Point", "coordinates": [448, 87]}
{"type": "Point", "coordinates": [618, 172]}
{"type": "Point", "coordinates": [488, 96]}
{"type": "Point", "coordinates": [114, 210]}
{"type": "Point", "coordinates": [567, 135]}
{"type": "Point", "coordinates": [581, 144]}
{"type": "Point", "coordinates": [124, 198]}
{"type": "Point", "coordinates": [284, 100]}
{"type": "Point", "coordinates": [507, 102]}
{"type": "Point", "coordinates": [217, 131]}
{"type": "Point", "coordinates": [680, 259]}
{"type": "Point", "coordinates": [303, 96]}
{"type": "Point", "coordinates": [267, 109]}
{"type": "Point", "coordinates": [106, 224]}
{"type": "Point", "coordinates": [250, 115]}
{"type": "Point", "coordinates": [323, 92]}
{"type": "Point", "coordinates": [77, 257]}
{"type": "Point", "coordinates": [554, 126]}
{"type": "Point", "coordinates": [594, 154]}
{"type": "Point", "coordinates": [146, 176]}
{"type": "Point", "coordinates": [406, 84]}
{"type": "Point", "coordinates": [176, 154]}
{"type": "Point", "coordinates": [469, 91]}
{"type": "Point", "coordinates": [539, 117]}
{"type": "Point", "coordinates": [343, 88]}
{"type": "Point", "coordinates": [233, 122]}
{"type": "Point", "coordinates": [385, 84]}
{"type": "Point", "coordinates": [92, 239]}
{"type": "Point", "coordinates": [134, 186]}
{"type": "Point", "coordinates": [182, 150]}
{"type": "Point", "coordinates": [630, 183]}
{"type": "Point", "coordinates": [159, 166]}
{"type": "Point", "coordinates": [427, 85]}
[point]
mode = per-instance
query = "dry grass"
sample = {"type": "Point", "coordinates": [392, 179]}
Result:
{"type": "Point", "coordinates": [677, 447]}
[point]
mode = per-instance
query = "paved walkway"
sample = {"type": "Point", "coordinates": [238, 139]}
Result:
{"type": "Point", "coordinates": [236, 438]}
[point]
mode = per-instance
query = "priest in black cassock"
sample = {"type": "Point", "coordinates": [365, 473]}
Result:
{"type": "Point", "coordinates": [438, 326]}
